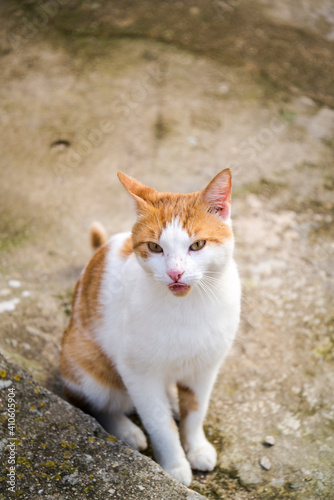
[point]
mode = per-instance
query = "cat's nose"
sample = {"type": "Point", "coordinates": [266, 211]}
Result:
{"type": "Point", "coordinates": [175, 275]}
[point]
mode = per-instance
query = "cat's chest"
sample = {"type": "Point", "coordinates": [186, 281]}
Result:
{"type": "Point", "coordinates": [174, 336]}
{"type": "Point", "coordinates": [148, 326]}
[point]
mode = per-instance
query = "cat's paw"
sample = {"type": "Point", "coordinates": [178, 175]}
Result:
{"type": "Point", "coordinates": [181, 471]}
{"type": "Point", "coordinates": [203, 458]}
{"type": "Point", "coordinates": [134, 437]}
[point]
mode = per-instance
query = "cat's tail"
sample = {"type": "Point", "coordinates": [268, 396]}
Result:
{"type": "Point", "coordinates": [98, 235]}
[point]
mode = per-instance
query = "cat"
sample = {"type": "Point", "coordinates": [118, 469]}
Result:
{"type": "Point", "coordinates": [154, 314]}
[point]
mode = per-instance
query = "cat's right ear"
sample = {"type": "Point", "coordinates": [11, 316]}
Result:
{"type": "Point", "coordinates": [217, 195]}
{"type": "Point", "coordinates": [139, 192]}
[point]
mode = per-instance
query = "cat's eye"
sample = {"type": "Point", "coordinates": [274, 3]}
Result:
{"type": "Point", "coordinates": [197, 245]}
{"type": "Point", "coordinates": [154, 247]}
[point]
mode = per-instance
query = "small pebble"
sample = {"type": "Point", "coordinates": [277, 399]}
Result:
{"type": "Point", "coordinates": [192, 140]}
{"type": "Point", "coordinates": [8, 305]}
{"type": "Point", "coordinates": [25, 293]}
{"type": "Point", "coordinates": [224, 88]}
{"type": "Point", "coordinates": [265, 463]}
{"type": "Point", "coordinates": [269, 441]}
{"type": "Point", "coordinates": [5, 383]}
{"type": "Point", "coordinates": [14, 283]}
{"type": "Point", "coordinates": [33, 331]}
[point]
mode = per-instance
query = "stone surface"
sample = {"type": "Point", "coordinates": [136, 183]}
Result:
{"type": "Point", "coordinates": [59, 452]}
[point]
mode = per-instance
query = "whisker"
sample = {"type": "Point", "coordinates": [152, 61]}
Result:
{"type": "Point", "coordinates": [201, 287]}
{"type": "Point", "coordinates": [208, 290]}
{"type": "Point", "coordinates": [212, 279]}
{"type": "Point", "coordinates": [201, 293]}
{"type": "Point", "coordinates": [214, 282]}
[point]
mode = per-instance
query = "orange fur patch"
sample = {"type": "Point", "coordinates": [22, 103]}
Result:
{"type": "Point", "coordinates": [173, 426]}
{"type": "Point", "coordinates": [86, 300]}
{"type": "Point", "coordinates": [193, 210]}
{"type": "Point", "coordinates": [127, 248]}
{"type": "Point", "coordinates": [181, 293]}
{"type": "Point", "coordinates": [187, 401]}
{"type": "Point", "coordinates": [78, 350]}
{"type": "Point", "coordinates": [98, 235]}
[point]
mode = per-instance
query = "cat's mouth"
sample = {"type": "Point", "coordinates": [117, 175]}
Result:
{"type": "Point", "coordinates": [179, 288]}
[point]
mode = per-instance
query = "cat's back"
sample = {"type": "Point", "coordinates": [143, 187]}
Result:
{"type": "Point", "coordinates": [99, 281]}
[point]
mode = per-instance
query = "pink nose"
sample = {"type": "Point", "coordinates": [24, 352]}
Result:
{"type": "Point", "coordinates": [175, 275]}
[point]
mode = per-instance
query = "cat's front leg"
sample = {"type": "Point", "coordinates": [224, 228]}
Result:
{"type": "Point", "coordinates": [194, 399]}
{"type": "Point", "coordinates": [153, 406]}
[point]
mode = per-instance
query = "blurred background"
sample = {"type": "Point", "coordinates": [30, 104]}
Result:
{"type": "Point", "coordinates": [171, 93]}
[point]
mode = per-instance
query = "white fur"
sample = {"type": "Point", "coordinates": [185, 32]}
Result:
{"type": "Point", "coordinates": [156, 339]}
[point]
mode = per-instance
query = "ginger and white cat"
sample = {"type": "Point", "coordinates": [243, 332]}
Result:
{"type": "Point", "coordinates": [154, 314]}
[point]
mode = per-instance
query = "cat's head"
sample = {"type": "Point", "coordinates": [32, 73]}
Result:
{"type": "Point", "coordinates": [183, 240]}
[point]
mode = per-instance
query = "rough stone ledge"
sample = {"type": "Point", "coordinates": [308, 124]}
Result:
{"type": "Point", "coordinates": [62, 453]}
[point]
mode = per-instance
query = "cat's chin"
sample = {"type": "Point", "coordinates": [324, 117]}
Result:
{"type": "Point", "coordinates": [179, 289]}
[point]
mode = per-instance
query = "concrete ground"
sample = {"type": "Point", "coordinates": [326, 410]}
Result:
{"type": "Point", "coordinates": [172, 94]}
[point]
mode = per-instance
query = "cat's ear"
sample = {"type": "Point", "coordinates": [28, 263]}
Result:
{"type": "Point", "coordinates": [139, 192]}
{"type": "Point", "coordinates": [217, 194]}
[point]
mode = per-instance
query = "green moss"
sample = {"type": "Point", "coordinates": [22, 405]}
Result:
{"type": "Point", "coordinates": [264, 187]}
{"type": "Point", "coordinates": [13, 232]}
{"type": "Point", "coordinates": [50, 463]}
{"type": "Point", "coordinates": [86, 490]}
{"type": "Point", "coordinates": [270, 87]}
{"type": "Point", "coordinates": [65, 299]}
{"type": "Point", "coordinates": [287, 116]}
{"type": "Point", "coordinates": [326, 351]}
{"type": "Point", "coordinates": [23, 461]}
{"type": "Point", "coordinates": [112, 438]}
{"type": "Point", "coordinates": [68, 467]}
{"type": "Point", "coordinates": [33, 366]}
{"type": "Point", "coordinates": [221, 482]}
{"type": "Point", "coordinates": [66, 444]}
{"type": "Point", "coordinates": [329, 182]}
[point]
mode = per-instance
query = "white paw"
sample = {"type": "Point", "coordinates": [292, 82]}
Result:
{"type": "Point", "coordinates": [203, 458]}
{"type": "Point", "coordinates": [134, 437]}
{"type": "Point", "coordinates": [181, 471]}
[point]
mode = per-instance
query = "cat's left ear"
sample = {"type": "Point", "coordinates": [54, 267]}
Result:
{"type": "Point", "coordinates": [139, 192]}
{"type": "Point", "coordinates": [217, 194]}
